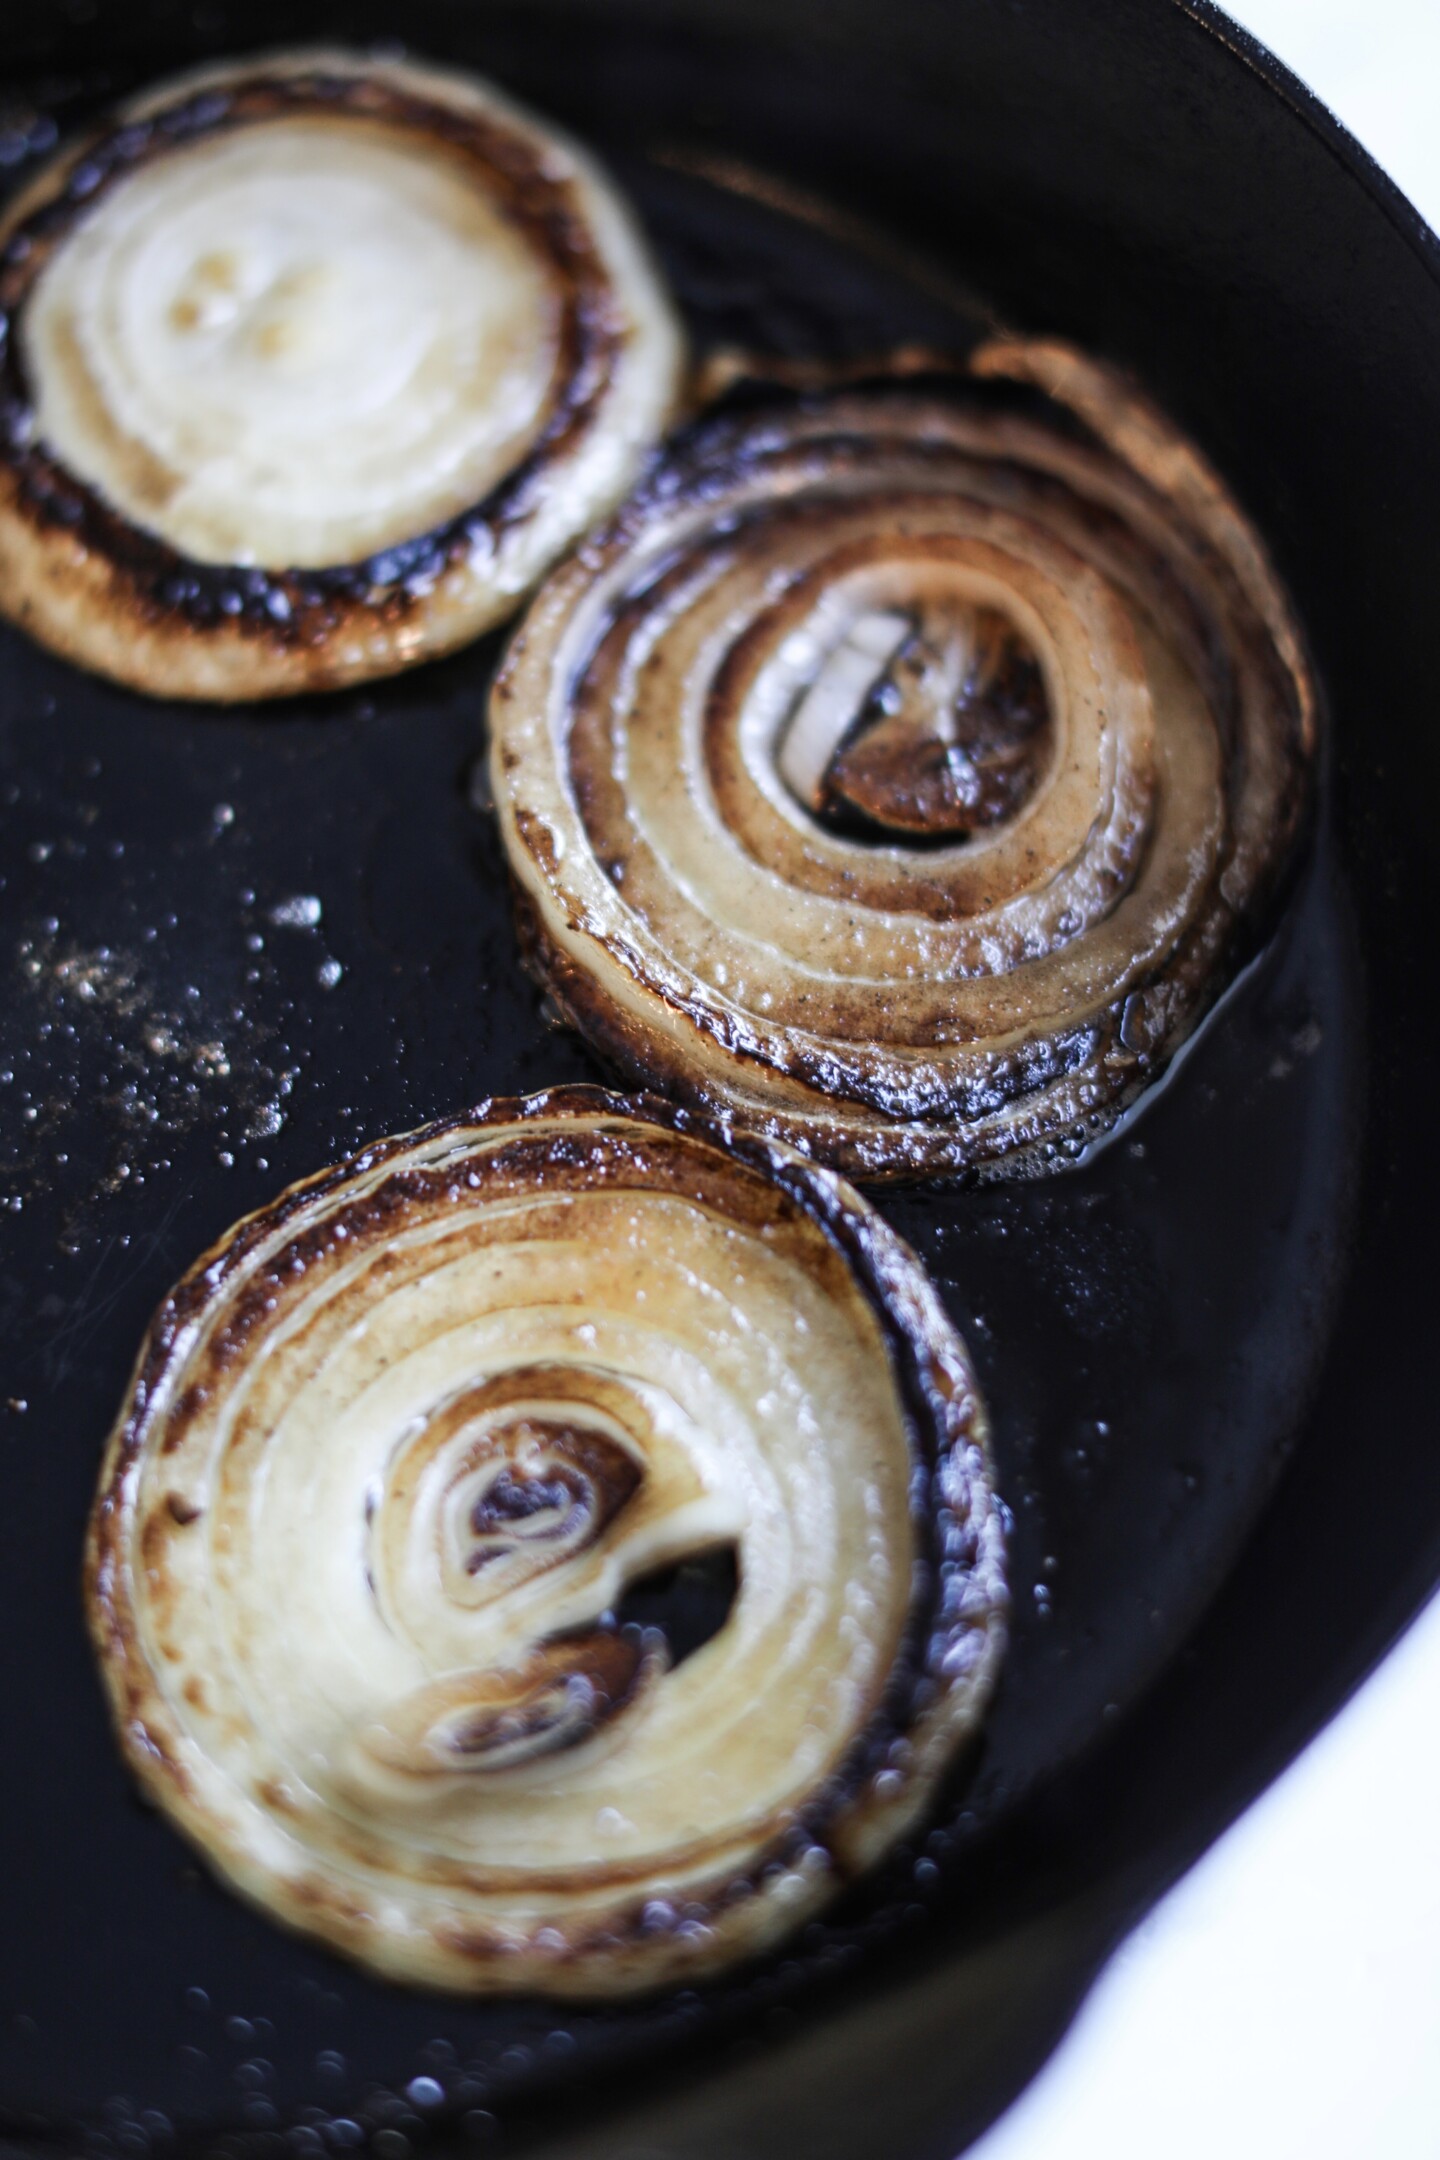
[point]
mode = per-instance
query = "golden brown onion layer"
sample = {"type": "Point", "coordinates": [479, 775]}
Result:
{"type": "Point", "coordinates": [312, 366]}
{"type": "Point", "coordinates": [398, 1448]}
{"type": "Point", "coordinates": [905, 769]}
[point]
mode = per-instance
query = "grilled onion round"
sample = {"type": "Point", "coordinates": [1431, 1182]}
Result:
{"type": "Point", "coordinates": [397, 1447]}
{"type": "Point", "coordinates": [905, 770]}
{"type": "Point", "coordinates": [313, 365]}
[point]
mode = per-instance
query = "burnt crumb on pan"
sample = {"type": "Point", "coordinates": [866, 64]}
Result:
{"type": "Point", "coordinates": [167, 1066]}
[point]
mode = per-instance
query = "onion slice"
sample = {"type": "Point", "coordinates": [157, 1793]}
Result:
{"type": "Point", "coordinates": [906, 769]}
{"type": "Point", "coordinates": [398, 1456]}
{"type": "Point", "coordinates": [313, 365]}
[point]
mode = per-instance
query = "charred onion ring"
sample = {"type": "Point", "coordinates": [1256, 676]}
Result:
{"type": "Point", "coordinates": [395, 1453]}
{"type": "Point", "coordinates": [906, 770]}
{"type": "Point", "coordinates": [311, 367]}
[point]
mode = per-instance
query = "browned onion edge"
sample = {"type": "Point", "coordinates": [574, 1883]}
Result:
{"type": "Point", "coordinates": [622, 1949]}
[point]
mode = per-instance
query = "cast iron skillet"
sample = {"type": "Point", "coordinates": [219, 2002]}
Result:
{"type": "Point", "coordinates": [1236, 1286]}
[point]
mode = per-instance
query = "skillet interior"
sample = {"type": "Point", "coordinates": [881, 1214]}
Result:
{"type": "Point", "coordinates": [1245, 1266]}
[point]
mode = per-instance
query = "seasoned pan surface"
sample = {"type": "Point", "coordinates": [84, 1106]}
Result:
{"type": "Point", "coordinates": [235, 947]}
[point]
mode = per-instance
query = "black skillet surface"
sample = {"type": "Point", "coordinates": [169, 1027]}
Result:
{"type": "Point", "coordinates": [234, 947]}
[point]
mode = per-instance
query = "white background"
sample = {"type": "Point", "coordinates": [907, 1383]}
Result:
{"type": "Point", "coordinates": [1283, 2003]}
{"type": "Point", "coordinates": [1376, 64]}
